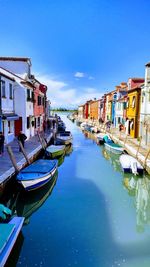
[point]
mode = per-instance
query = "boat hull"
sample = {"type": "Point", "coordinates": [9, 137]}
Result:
{"type": "Point", "coordinates": [115, 150]}
{"type": "Point", "coordinates": [34, 184]}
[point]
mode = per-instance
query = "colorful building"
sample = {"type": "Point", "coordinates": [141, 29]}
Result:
{"type": "Point", "coordinates": [145, 107]}
{"type": "Point", "coordinates": [120, 104]}
{"type": "Point", "coordinates": [133, 106]}
{"type": "Point", "coordinates": [108, 107]}
{"type": "Point", "coordinates": [102, 108]}
{"type": "Point", "coordinates": [94, 110]}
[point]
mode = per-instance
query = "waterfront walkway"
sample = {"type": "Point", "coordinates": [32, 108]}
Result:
{"type": "Point", "coordinates": [32, 147]}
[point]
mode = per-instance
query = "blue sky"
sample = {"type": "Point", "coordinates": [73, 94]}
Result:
{"type": "Point", "coordinates": [81, 49]}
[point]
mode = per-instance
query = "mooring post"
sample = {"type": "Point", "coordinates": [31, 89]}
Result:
{"type": "Point", "coordinates": [138, 148]}
{"type": "Point", "coordinates": [24, 152]}
{"type": "Point", "coordinates": [12, 158]}
{"type": "Point", "coordinates": [41, 141]}
{"type": "Point", "coordinates": [146, 157]}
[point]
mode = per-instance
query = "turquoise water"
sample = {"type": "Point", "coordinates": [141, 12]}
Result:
{"type": "Point", "coordinates": [91, 215]}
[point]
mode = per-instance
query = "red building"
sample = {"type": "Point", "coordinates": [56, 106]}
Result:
{"type": "Point", "coordinates": [86, 109]}
{"type": "Point", "coordinates": [39, 104]}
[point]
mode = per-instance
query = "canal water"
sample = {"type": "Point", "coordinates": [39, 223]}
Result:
{"type": "Point", "coordinates": [90, 215]}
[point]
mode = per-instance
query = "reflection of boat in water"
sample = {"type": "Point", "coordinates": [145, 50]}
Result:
{"type": "Point", "coordinates": [28, 202]}
{"type": "Point", "coordinates": [140, 188]}
{"type": "Point", "coordinates": [68, 149]}
{"type": "Point", "coordinates": [113, 158]}
{"type": "Point", "coordinates": [60, 160]}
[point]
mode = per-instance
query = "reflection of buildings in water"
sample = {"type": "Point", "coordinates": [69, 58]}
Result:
{"type": "Point", "coordinates": [113, 158]}
{"type": "Point", "coordinates": [28, 202]}
{"type": "Point", "coordinates": [142, 202]}
{"type": "Point", "coordinates": [140, 188]}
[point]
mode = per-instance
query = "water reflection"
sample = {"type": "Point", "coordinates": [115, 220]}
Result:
{"type": "Point", "coordinates": [26, 203]}
{"type": "Point", "coordinates": [140, 188]}
{"type": "Point", "coordinates": [113, 158]}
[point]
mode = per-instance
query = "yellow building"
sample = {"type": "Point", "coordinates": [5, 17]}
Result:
{"type": "Point", "coordinates": [133, 111]}
{"type": "Point", "coordinates": [108, 106]}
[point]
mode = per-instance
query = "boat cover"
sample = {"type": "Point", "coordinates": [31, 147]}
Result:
{"type": "Point", "coordinates": [53, 148]}
{"type": "Point", "coordinates": [40, 166]}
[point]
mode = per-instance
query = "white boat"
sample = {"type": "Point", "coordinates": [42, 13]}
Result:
{"type": "Point", "coordinates": [100, 138]}
{"type": "Point", "coordinates": [37, 174]}
{"type": "Point", "coordinates": [64, 138]}
{"type": "Point", "coordinates": [114, 148]}
{"type": "Point", "coordinates": [130, 164]}
{"type": "Point", "coordinates": [83, 124]}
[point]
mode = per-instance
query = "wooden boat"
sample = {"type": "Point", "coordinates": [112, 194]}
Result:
{"type": "Point", "coordinates": [54, 151]}
{"type": "Point", "coordinates": [64, 138]}
{"type": "Point", "coordinates": [37, 174]}
{"type": "Point", "coordinates": [114, 148]}
{"type": "Point", "coordinates": [8, 236]}
{"type": "Point", "coordinates": [130, 165]}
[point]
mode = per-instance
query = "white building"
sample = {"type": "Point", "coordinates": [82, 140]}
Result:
{"type": "Point", "coordinates": [20, 68]}
{"type": "Point", "coordinates": [8, 116]}
{"type": "Point", "coordinates": [145, 107]}
{"type": "Point", "coordinates": [120, 104]}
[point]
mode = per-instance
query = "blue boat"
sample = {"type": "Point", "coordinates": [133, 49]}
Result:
{"type": "Point", "coordinates": [37, 174]}
{"type": "Point", "coordinates": [8, 236]}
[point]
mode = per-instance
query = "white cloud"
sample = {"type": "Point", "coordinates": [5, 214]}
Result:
{"type": "Point", "coordinates": [61, 95]}
{"type": "Point", "coordinates": [79, 74]}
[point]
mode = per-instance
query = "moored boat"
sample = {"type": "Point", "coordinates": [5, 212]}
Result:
{"type": "Point", "coordinates": [114, 148]}
{"type": "Point", "coordinates": [8, 236]}
{"type": "Point", "coordinates": [64, 138]}
{"type": "Point", "coordinates": [37, 174]}
{"type": "Point", "coordinates": [130, 164]}
{"type": "Point", "coordinates": [54, 151]}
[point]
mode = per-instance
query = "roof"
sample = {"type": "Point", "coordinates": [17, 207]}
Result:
{"type": "Point", "coordinates": [24, 59]}
{"type": "Point", "coordinates": [135, 88]}
{"type": "Point", "coordinates": [5, 74]}
{"type": "Point", "coordinates": [136, 79]}
{"type": "Point", "coordinates": [147, 64]}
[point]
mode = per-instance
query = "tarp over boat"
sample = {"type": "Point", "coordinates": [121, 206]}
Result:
{"type": "Point", "coordinates": [40, 166]}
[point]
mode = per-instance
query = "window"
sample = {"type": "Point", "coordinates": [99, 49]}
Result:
{"type": "Point", "coordinates": [28, 95]}
{"type": "Point", "coordinates": [10, 127]}
{"type": "Point", "coordinates": [28, 122]}
{"type": "Point", "coordinates": [38, 122]}
{"type": "Point", "coordinates": [35, 122]}
{"type": "Point", "coordinates": [128, 102]}
{"type": "Point", "coordinates": [10, 91]}
{"type": "Point", "coordinates": [39, 101]}
{"type": "Point", "coordinates": [133, 101]}
{"type": "Point", "coordinates": [3, 89]}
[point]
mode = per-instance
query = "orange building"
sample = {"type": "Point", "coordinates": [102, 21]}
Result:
{"type": "Point", "coordinates": [94, 110]}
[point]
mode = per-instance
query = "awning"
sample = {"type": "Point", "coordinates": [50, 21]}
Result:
{"type": "Point", "coordinates": [10, 117]}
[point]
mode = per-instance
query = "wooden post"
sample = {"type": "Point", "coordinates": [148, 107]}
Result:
{"type": "Point", "coordinates": [12, 157]}
{"type": "Point", "coordinates": [23, 152]}
{"type": "Point", "coordinates": [138, 147]}
{"type": "Point", "coordinates": [125, 140]}
{"type": "Point", "coordinates": [146, 157]}
{"type": "Point", "coordinates": [41, 141]}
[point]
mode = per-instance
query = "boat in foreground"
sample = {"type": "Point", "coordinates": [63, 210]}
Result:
{"type": "Point", "coordinates": [37, 174]}
{"type": "Point", "coordinates": [54, 151]}
{"type": "Point", "coordinates": [8, 236]}
{"type": "Point", "coordinates": [130, 165]}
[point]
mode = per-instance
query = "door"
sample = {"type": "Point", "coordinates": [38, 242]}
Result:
{"type": "Point", "coordinates": [18, 126]}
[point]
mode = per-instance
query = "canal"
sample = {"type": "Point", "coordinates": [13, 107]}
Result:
{"type": "Point", "coordinates": [91, 215]}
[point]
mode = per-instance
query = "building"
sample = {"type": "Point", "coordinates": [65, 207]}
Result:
{"type": "Point", "coordinates": [94, 109]}
{"type": "Point", "coordinates": [81, 112]}
{"type": "Point", "coordinates": [108, 107]}
{"type": "Point", "coordinates": [20, 68]}
{"type": "Point", "coordinates": [145, 107]}
{"type": "Point", "coordinates": [8, 117]}
{"type": "Point", "coordinates": [39, 104]}
{"type": "Point", "coordinates": [102, 108]}
{"type": "Point", "coordinates": [133, 105]}
{"type": "Point", "coordinates": [120, 104]}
